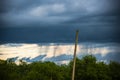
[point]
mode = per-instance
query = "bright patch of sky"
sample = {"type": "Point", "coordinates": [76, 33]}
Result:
{"type": "Point", "coordinates": [50, 50]}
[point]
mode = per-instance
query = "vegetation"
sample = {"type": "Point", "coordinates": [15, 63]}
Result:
{"type": "Point", "coordinates": [87, 68]}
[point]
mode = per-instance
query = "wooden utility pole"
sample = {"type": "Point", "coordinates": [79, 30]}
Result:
{"type": "Point", "coordinates": [74, 59]}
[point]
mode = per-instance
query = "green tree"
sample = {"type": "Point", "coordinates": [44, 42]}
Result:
{"type": "Point", "coordinates": [87, 68]}
{"type": "Point", "coordinates": [114, 70]}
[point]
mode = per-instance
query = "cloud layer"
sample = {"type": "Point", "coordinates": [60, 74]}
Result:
{"type": "Point", "coordinates": [96, 20]}
{"type": "Point", "coordinates": [59, 52]}
{"type": "Point", "coordinates": [60, 10]}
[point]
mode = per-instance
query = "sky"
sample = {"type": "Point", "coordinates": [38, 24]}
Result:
{"type": "Point", "coordinates": [25, 24]}
{"type": "Point", "coordinates": [59, 53]}
{"type": "Point", "coordinates": [55, 21]}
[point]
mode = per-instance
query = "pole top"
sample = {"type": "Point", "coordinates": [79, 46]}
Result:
{"type": "Point", "coordinates": [77, 30]}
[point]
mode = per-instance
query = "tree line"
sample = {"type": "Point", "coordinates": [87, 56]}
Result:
{"type": "Point", "coordinates": [87, 68]}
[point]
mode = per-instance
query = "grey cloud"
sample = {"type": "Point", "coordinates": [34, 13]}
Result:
{"type": "Point", "coordinates": [22, 5]}
{"type": "Point", "coordinates": [74, 8]}
{"type": "Point", "coordinates": [62, 57]}
{"type": "Point", "coordinates": [96, 18]}
{"type": "Point", "coordinates": [109, 57]}
{"type": "Point", "coordinates": [13, 45]}
{"type": "Point", "coordinates": [59, 33]}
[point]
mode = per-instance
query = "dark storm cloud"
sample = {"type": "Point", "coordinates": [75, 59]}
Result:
{"type": "Point", "coordinates": [57, 20]}
{"type": "Point", "coordinates": [21, 9]}
{"type": "Point", "coordinates": [22, 5]}
{"type": "Point", "coordinates": [58, 34]}
{"type": "Point", "coordinates": [27, 10]}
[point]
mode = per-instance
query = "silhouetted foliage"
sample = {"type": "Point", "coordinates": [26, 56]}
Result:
{"type": "Point", "coordinates": [87, 68]}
